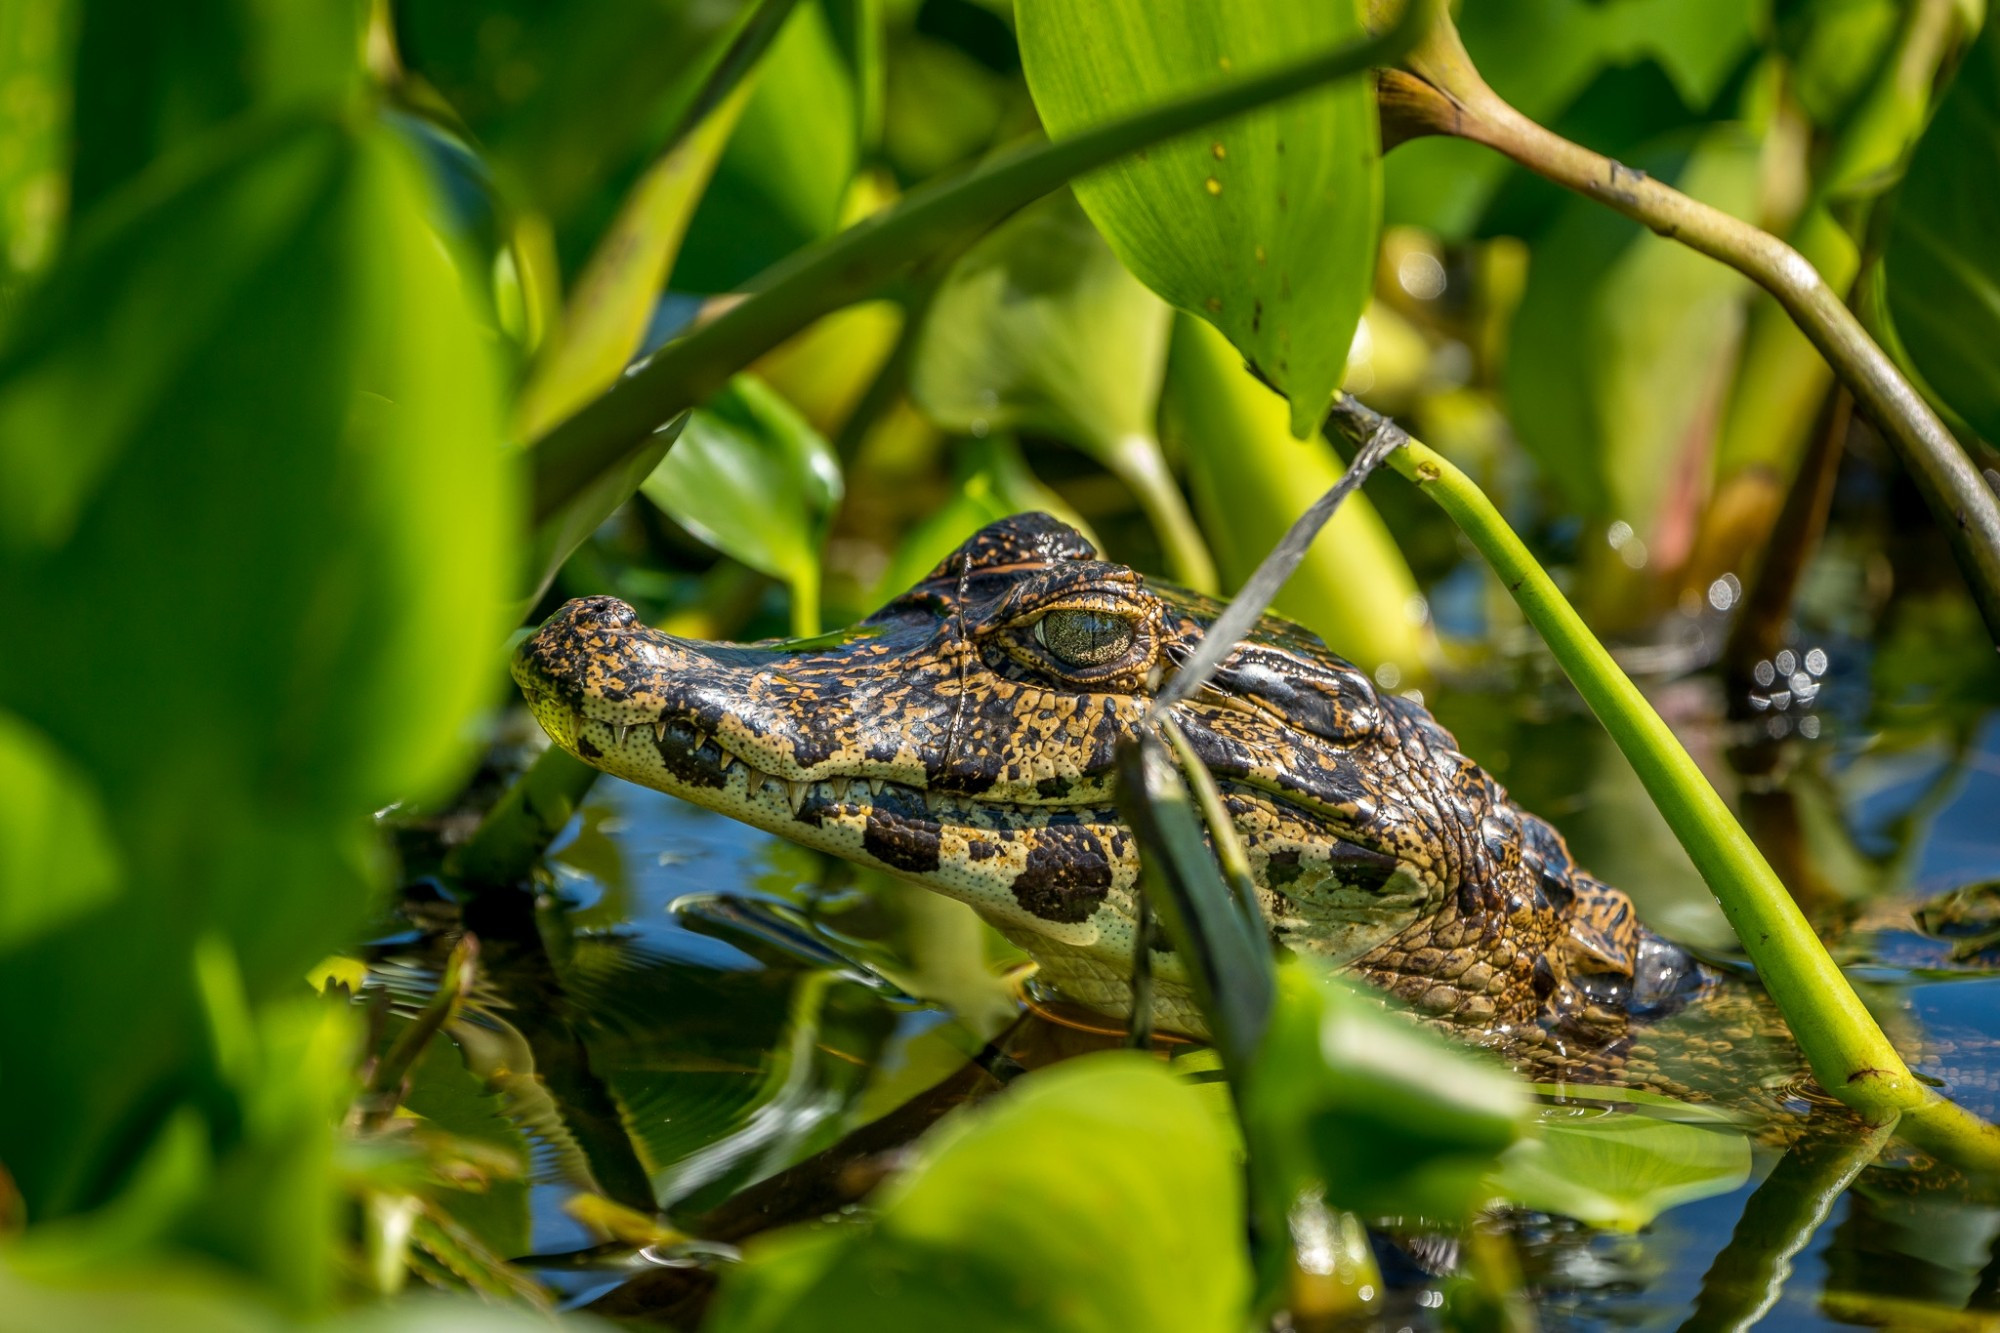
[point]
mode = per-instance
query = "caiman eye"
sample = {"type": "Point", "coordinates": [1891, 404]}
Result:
{"type": "Point", "coordinates": [1083, 637]}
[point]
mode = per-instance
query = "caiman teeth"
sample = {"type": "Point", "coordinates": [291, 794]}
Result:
{"type": "Point", "coordinates": [726, 760]}
{"type": "Point", "coordinates": [660, 734]}
{"type": "Point", "coordinates": [621, 730]}
{"type": "Point", "coordinates": [795, 793]}
{"type": "Point", "coordinates": [875, 786]}
{"type": "Point", "coordinates": [839, 787]}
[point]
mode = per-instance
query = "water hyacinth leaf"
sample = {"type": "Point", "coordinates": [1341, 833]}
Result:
{"type": "Point", "coordinates": [569, 105]}
{"type": "Point", "coordinates": [1622, 1168]}
{"type": "Point", "coordinates": [782, 179]}
{"type": "Point", "coordinates": [1622, 341]}
{"type": "Point", "coordinates": [35, 46]}
{"type": "Point", "coordinates": [1394, 1118]}
{"type": "Point", "coordinates": [1038, 327]}
{"type": "Point", "coordinates": [1264, 225]}
{"type": "Point", "coordinates": [150, 78]}
{"type": "Point", "coordinates": [1940, 266]}
{"type": "Point", "coordinates": [1060, 1205]}
{"type": "Point", "coordinates": [1251, 480]}
{"type": "Point", "coordinates": [252, 505]}
{"type": "Point", "coordinates": [57, 860]}
{"type": "Point", "coordinates": [992, 482]}
{"type": "Point", "coordinates": [753, 480]}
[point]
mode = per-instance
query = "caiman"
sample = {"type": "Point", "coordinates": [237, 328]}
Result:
{"type": "Point", "coordinates": [962, 737]}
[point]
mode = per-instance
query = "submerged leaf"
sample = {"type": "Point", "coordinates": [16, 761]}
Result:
{"type": "Point", "coordinates": [1263, 225]}
{"type": "Point", "coordinates": [1098, 1194]}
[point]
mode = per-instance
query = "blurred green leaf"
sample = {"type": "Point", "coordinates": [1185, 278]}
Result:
{"type": "Point", "coordinates": [754, 481]}
{"type": "Point", "coordinates": [1099, 1194]}
{"type": "Point", "coordinates": [35, 50]}
{"type": "Point", "coordinates": [1251, 480]}
{"type": "Point", "coordinates": [992, 482]}
{"type": "Point", "coordinates": [150, 77]}
{"type": "Point", "coordinates": [250, 424]}
{"type": "Point", "coordinates": [1623, 338]}
{"type": "Point", "coordinates": [57, 860]}
{"type": "Point", "coordinates": [1394, 1118]}
{"type": "Point", "coordinates": [782, 179]}
{"type": "Point", "coordinates": [1941, 265]}
{"type": "Point", "coordinates": [1265, 226]}
{"type": "Point", "coordinates": [1040, 328]}
{"type": "Point", "coordinates": [1622, 1168]}
{"type": "Point", "coordinates": [1541, 55]}
{"type": "Point", "coordinates": [569, 104]}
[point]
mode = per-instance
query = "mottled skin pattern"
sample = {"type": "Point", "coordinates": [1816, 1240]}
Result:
{"type": "Point", "coordinates": [945, 740]}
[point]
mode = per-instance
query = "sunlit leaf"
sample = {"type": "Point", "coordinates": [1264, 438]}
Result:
{"type": "Point", "coordinates": [1095, 1195]}
{"type": "Point", "coordinates": [1941, 263]}
{"type": "Point", "coordinates": [1251, 479]}
{"type": "Point", "coordinates": [250, 423]}
{"type": "Point", "coordinates": [753, 480]}
{"type": "Point", "coordinates": [1393, 1117]}
{"type": "Point", "coordinates": [781, 182]}
{"type": "Point", "coordinates": [1622, 339]}
{"type": "Point", "coordinates": [35, 45]}
{"type": "Point", "coordinates": [1040, 328]}
{"type": "Point", "coordinates": [57, 860]}
{"type": "Point", "coordinates": [1265, 225]}
{"type": "Point", "coordinates": [1622, 1168]}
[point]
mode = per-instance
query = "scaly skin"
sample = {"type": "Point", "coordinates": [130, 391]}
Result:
{"type": "Point", "coordinates": [945, 740]}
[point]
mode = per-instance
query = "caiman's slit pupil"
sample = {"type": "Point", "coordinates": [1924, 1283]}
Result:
{"type": "Point", "coordinates": [1084, 638]}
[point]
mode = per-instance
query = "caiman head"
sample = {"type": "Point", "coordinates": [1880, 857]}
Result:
{"type": "Point", "coordinates": [963, 736]}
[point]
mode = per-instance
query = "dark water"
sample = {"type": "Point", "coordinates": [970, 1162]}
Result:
{"type": "Point", "coordinates": [742, 1004]}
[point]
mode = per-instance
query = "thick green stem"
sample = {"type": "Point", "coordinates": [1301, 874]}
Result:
{"type": "Point", "coordinates": [861, 259]}
{"type": "Point", "coordinates": [1136, 461]}
{"type": "Point", "coordinates": [1846, 1049]}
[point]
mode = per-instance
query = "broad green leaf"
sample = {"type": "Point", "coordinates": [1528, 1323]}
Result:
{"type": "Point", "coordinates": [35, 49]}
{"type": "Point", "coordinates": [1265, 225]}
{"type": "Point", "coordinates": [150, 77]}
{"type": "Point", "coordinates": [570, 104]}
{"type": "Point", "coordinates": [1040, 328]}
{"type": "Point", "coordinates": [1394, 1118]}
{"type": "Point", "coordinates": [753, 480]}
{"type": "Point", "coordinates": [1620, 1168]}
{"type": "Point", "coordinates": [1622, 341]}
{"type": "Point", "coordinates": [992, 483]}
{"type": "Point", "coordinates": [258, 429]}
{"type": "Point", "coordinates": [1941, 265]}
{"type": "Point", "coordinates": [1100, 1194]}
{"type": "Point", "coordinates": [1251, 480]}
{"type": "Point", "coordinates": [57, 860]}
{"type": "Point", "coordinates": [782, 179]}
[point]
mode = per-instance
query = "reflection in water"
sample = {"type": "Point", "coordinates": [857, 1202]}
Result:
{"type": "Point", "coordinates": [702, 1016]}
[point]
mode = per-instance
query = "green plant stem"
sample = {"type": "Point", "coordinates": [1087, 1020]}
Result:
{"type": "Point", "coordinates": [1443, 93]}
{"type": "Point", "coordinates": [1136, 461]}
{"type": "Point", "coordinates": [1846, 1049]}
{"type": "Point", "coordinates": [860, 260]}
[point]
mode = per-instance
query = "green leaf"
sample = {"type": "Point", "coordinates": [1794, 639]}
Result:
{"type": "Point", "coordinates": [1940, 264]}
{"type": "Point", "coordinates": [150, 78]}
{"type": "Point", "coordinates": [1623, 338]}
{"type": "Point", "coordinates": [1394, 1118]}
{"type": "Point", "coordinates": [1265, 226]}
{"type": "Point", "coordinates": [1622, 1168]}
{"type": "Point", "coordinates": [57, 860]}
{"type": "Point", "coordinates": [1040, 328]}
{"type": "Point", "coordinates": [754, 481]}
{"type": "Point", "coordinates": [249, 423]}
{"type": "Point", "coordinates": [992, 482]}
{"type": "Point", "coordinates": [1099, 1194]}
{"type": "Point", "coordinates": [782, 180]}
{"type": "Point", "coordinates": [35, 49]}
{"type": "Point", "coordinates": [1251, 480]}
{"type": "Point", "coordinates": [569, 104]}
